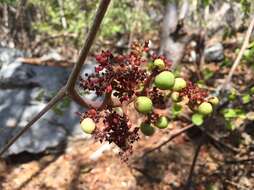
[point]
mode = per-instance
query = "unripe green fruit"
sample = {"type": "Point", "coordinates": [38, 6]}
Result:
{"type": "Point", "coordinates": [175, 96]}
{"type": "Point", "coordinates": [197, 119]}
{"type": "Point", "coordinates": [159, 63]}
{"type": "Point", "coordinates": [88, 125]}
{"type": "Point", "coordinates": [180, 83]}
{"type": "Point", "coordinates": [252, 90]}
{"type": "Point", "coordinates": [205, 108]}
{"type": "Point", "coordinates": [147, 129]}
{"type": "Point", "coordinates": [162, 122]}
{"type": "Point", "coordinates": [165, 80]}
{"type": "Point", "coordinates": [143, 104]}
{"type": "Point", "coordinates": [214, 101]}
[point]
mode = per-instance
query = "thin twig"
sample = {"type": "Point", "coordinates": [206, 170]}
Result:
{"type": "Point", "coordinates": [212, 138]}
{"type": "Point", "coordinates": [219, 142]}
{"type": "Point", "coordinates": [174, 135]}
{"type": "Point", "coordinates": [188, 182]}
{"type": "Point", "coordinates": [237, 185]}
{"type": "Point", "coordinates": [238, 59]}
{"type": "Point", "coordinates": [242, 161]}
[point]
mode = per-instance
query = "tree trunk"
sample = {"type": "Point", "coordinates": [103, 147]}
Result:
{"type": "Point", "coordinates": [173, 41]}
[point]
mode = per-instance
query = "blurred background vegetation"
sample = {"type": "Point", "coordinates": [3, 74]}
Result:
{"type": "Point", "coordinates": [202, 42]}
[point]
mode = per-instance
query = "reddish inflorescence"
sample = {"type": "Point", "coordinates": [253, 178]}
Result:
{"type": "Point", "coordinates": [158, 98]}
{"type": "Point", "coordinates": [126, 77]}
{"type": "Point", "coordinates": [117, 130]}
{"type": "Point", "coordinates": [195, 94]}
{"type": "Point", "coordinates": [121, 73]}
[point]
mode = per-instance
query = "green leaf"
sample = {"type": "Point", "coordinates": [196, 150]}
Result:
{"type": "Point", "coordinates": [226, 63]}
{"type": "Point", "coordinates": [197, 119]}
{"type": "Point", "coordinates": [246, 98]}
{"type": "Point", "coordinates": [230, 113]}
{"type": "Point", "coordinates": [207, 73]}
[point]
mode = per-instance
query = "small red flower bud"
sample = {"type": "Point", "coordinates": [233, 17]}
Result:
{"type": "Point", "coordinates": [108, 89]}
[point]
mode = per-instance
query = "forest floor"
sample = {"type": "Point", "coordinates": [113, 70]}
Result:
{"type": "Point", "coordinates": [165, 168]}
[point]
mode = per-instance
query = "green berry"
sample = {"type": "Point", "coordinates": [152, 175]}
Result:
{"type": "Point", "coordinates": [165, 80]}
{"type": "Point", "coordinates": [162, 122]}
{"type": "Point", "coordinates": [88, 125]}
{"type": "Point", "coordinates": [197, 119]}
{"type": "Point", "coordinates": [175, 96]}
{"type": "Point", "coordinates": [143, 104]}
{"type": "Point", "coordinates": [147, 129]}
{"type": "Point", "coordinates": [214, 101]}
{"type": "Point", "coordinates": [180, 83]}
{"type": "Point", "coordinates": [205, 108]}
{"type": "Point", "coordinates": [252, 90]}
{"type": "Point", "coordinates": [159, 63]}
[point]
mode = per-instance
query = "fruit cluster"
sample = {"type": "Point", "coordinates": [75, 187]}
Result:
{"type": "Point", "coordinates": [144, 81]}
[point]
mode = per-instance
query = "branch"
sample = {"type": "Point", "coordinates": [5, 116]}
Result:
{"type": "Point", "coordinates": [238, 59]}
{"type": "Point", "coordinates": [174, 135]}
{"type": "Point", "coordinates": [69, 88]}
{"type": "Point", "coordinates": [188, 183]}
{"type": "Point", "coordinates": [87, 45]}
{"type": "Point", "coordinates": [60, 95]}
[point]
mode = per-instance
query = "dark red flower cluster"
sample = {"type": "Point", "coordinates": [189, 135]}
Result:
{"type": "Point", "coordinates": [117, 130]}
{"type": "Point", "coordinates": [194, 93]}
{"type": "Point", "coordinates": [130, 77]}
{"type": "Point", "coordinates": [152, 118]}
{"type": "Point", "coordinates": [91, 113]}
{"type": "Point", "coordinates": [158, 98]}
{"type": "Point", "coordinates": [122, 73]}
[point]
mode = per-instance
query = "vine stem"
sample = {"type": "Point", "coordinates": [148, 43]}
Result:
{"type": "Point", "coordinates": [69, 88]}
